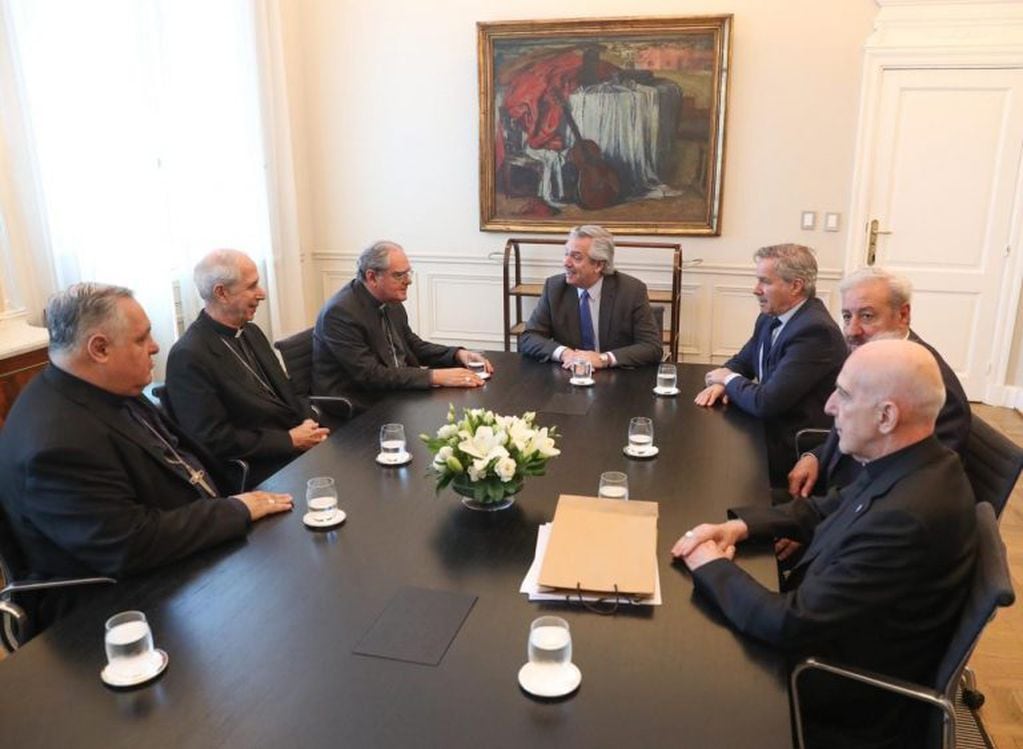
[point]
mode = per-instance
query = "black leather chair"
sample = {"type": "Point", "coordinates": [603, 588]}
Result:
{"type": "Point", "coordinates": [990, 589]}
{"type": "Point", "coordinates": [297, 352]}
{"type": "Point", "coordinates": [15, 626]}
{"type": "Point", "coordinates": [808, 439]}
{"type": "Point", "coordinates": [993, 463]}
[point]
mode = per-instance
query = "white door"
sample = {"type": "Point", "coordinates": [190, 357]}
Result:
{"type": "Point", "coordinates": [943, 190]}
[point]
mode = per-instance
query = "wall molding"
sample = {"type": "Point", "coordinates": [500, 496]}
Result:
{"type": "Point", "coordinates": [446, 283]}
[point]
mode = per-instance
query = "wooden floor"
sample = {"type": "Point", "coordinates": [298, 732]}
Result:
{"type": "Point", "coordinates": [998, 659]}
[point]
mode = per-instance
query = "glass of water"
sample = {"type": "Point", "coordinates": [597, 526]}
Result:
{"type": "Point", "coordinates": [667, 377]}
{"type": "Point", "coordinates": [129, 644]}
{"type": "Point", "coordinates": [641, 434]}
{"type": "Point", "coordinates": [582, 370]}
{"type": "Point", "coordinates": [392, 441]}
{"type": "Point", "coordinates": [613, 485]}
{"type": "Point", "coordinates": [477, 363]}
{"type": "Point", "coordinates": [550, 642]}
{"type": "Point", "coordinates": [321, 498]}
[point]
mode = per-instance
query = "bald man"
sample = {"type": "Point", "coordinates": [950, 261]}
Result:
{"type": "Point", "coordinates": [225, 385]}
{"type": "Point", "coordinates": [889, 560]}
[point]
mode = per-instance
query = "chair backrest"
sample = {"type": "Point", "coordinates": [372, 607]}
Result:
{"type": "Point", "coordinates": [297, 352]}
{"type": "Point", "coordinates": [993, 463]}
{"type": "Point", "coordinates": [991, 588]}
{"type": "Point", "coordinates": [12, 559]}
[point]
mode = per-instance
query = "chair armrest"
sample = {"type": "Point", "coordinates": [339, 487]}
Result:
{"type": "Point", "coordinates": [335, 405]}
{"type": "Point", "coordinates": [243, 471]}
{"type": "Point", "coordinates": [880, 681]}
{"type": "Point", "coordinates": [808, 439]}
{"type": "Point", "coordinates": [23, 587]}
{"type": "Point", "coordinates": [12, 620]}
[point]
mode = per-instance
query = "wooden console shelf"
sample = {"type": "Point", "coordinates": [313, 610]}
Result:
{"type": "Point", "coordinates": [514, 290]}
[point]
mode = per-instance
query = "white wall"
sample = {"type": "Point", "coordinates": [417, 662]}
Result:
{"type": "Point", "coordinates": [385, 96]}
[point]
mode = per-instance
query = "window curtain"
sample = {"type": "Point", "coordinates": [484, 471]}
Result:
{"type": "Point", "coordinates": [144, 120]}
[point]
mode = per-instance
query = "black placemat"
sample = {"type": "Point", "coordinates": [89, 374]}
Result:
{"type": "Point", "coordinates": [566, 403]}
{"type": "Point", "coordinates": [417, 626]}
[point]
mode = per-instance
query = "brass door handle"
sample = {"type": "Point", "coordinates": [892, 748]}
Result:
{"type": "Point", "coordinates": [872, 241]}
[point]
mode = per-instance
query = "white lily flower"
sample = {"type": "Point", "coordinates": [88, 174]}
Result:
{"type": "Point", "coordinates": [480, 444]}
{"type": "Point", "coordinates": [543, 444]}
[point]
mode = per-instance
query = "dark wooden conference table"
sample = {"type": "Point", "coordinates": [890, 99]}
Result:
{"type": "Point", "coordinates": [260, 632]}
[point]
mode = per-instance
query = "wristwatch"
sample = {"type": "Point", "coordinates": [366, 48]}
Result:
{"type": "Point", "coordinates": [605, 360]}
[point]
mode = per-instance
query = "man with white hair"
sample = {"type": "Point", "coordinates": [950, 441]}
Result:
{"type": "Point", "coordinates": [876, 306]}
{"type": "Point", "coordinates": [93, 480]}
{"type": "Point", "coordinates": [889, 557]}
{"type": "Point", "coordinates": [591, 311]}
{"type": "Point", "coordinates": [225, 385]}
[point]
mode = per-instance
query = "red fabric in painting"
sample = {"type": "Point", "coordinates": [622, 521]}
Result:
{"type": "Point", "coordinates": [530, 100]}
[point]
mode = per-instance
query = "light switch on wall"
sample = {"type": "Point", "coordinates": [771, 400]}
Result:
{"type": "Point", "coordinates": [831, 221]}
{"type": "Point", "coordinates": [808, 219]}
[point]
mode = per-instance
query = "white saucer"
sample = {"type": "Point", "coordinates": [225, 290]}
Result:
{"type": "Point", "coordinates": [583, 382]}
{"type": "Point", "coordinates": [158, 662]}
{"type": "Point", "coordinates": [648, 453]}
{"type": "Point", "coordinates": [310, 520]}
{"type": "Point", "coordinates": [398, 460]}
{"type": "Point", "coordinates": [483, 375]}
{"type": "Point", "coordinates": [666, 391]}
{"type": "Point", "coordinates": [548, 680]}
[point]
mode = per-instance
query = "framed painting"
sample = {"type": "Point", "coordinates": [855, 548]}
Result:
{"type": "Point", "coordinates": [618, 122]}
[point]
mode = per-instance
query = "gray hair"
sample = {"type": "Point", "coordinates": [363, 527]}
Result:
{"type": "Point", "coordinates": [794, 262]}
{"type": "Point", "coordinates": [603, 246]}
{"type": "Point", "coordinates": [900, 290]}
{"type": "Point", "coordinates": [218, 267]}
{"type": "Point", "coordinates": [80, 310]}
{"type": "Point", "coordinates": [375, 258]}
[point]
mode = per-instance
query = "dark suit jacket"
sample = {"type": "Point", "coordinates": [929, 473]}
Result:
{"type": "Point", "coordinates": [351, 353]}
{"type": "Point", "coordinates": [627, 327]}
{"type": "Point", "coordinates": [951, 429]}
{"type": "Point", "coordinates": [86, 492]}
{"type": "Point", "coordinates": [219, 402]}
{"type": "Point", "coordinates": [881, 585]}
{"type": "Point", "coordinates": [803, 364]}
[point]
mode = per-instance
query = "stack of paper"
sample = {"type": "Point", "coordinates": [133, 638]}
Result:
{"type": "Point", "coordinates": [593, 548]}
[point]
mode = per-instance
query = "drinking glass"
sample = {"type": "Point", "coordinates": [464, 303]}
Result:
{"type": "Point", "coordinates": [129, 644]}
{"type": "Point", "coordinates": [641, 434]}
{"type": "Point", "coordinates": [613, 485]}
{"type": "Point", "coordinates": [582, 370]}
{"type": "Point", "coordinates": [392, 441]}
{"type": "Point", "coordinates": [667, 377]}
{"type": "Point", "coordinates": [476, 363]}
{"type": "Point", "coordinates": [321, 497]}
{"type": "Point", "coordinates": [550, 642]}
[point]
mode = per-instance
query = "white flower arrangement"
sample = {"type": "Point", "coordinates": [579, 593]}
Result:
{"type": "Point", "coordinates": [487, 456]}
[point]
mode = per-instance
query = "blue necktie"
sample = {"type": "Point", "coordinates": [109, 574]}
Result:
{"type": "Point", "coordinates": [765, 369]}
{"type": "Point", "coordinates": [586, 322]}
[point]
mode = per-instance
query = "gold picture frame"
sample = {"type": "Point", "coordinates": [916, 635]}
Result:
{"type": "Point", "coordinates": [615, 121]}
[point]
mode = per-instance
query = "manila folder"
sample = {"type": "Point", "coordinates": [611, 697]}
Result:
{"type": "Point", "coordinates": [597, 544]}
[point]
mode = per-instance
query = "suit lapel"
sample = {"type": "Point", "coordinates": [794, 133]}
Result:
{"type": "Point", "coordinates": [608, 292]}
{"type": "Point", "coordinates": [374, 323]}
{"type": "Point", "coordinates": [570, 297]}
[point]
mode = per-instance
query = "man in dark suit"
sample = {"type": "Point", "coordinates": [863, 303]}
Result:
{"type": "Point", "coordinates": [876, 305]}
{"type": "Point", "coordinates": [787, 369]}
{"type": "Point", "coordinates": [889, 558]}
{"type": "Point", "coordinates": [92, 478]}
{"type": "Point", "coordinates": [225, 386]}
{"type": "Point", "coordinates": [362, 342]}
{"type": "Point", "coordinates": [591, 311]}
